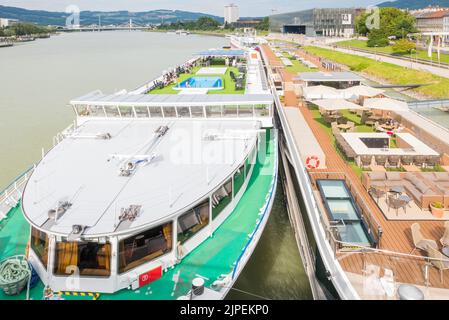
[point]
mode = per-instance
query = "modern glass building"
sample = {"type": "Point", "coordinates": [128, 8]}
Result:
{"type": "Point", "coordinates": [337, 22]}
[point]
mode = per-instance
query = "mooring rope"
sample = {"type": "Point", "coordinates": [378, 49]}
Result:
{"type": "Point", "coordinates": [13, 270]}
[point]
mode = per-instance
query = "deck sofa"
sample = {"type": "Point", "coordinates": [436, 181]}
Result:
{"type": "Point", "coordinates": [423, 187]}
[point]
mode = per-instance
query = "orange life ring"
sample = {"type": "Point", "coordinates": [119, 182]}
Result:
{"type": "Point", "coordinates": [315, 164]}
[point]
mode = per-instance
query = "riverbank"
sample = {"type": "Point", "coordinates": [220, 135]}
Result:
{"type": "Point", "coordinates": [436, 87]}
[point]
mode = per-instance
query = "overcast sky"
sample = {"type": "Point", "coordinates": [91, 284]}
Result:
{"type": "Point", "coordinates": [247, 7]}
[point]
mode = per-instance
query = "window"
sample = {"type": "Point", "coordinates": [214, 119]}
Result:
{"type": "Point", "coordinates": [112, 112]}
{"type": "Point", "coordinates": [91, 258]}
{"type": "Point", "coordinates": [230, 111]}
{"type": "Point", "coordinates": [213, 111]}
{"type": "Point", "coordinates": [249, 163]}
{"type": "Point", "coordinates": [155, 112]}
{"type": "Point", "coordinates": [221, 198]}
{"type": "Point", "coordinates": [191, 222]}
{"type": "Point", "coordinates": [96, 111]}
{"type": "Point", "coordinates": [169, 112]}
{"type": "Point", "coordinates": [145, 246]}
{"type": "Point", "coordinates": [127, 112]}
{"type": "Point", "coordinates": [261, 110]}
{"type": "Point", "coordinates": [142, 112]}
{"type": "Point", "coordinates": [39, 244]}
{"type": "Point", "coordinates": [245, 111]}
{"type": "Point", "coordinates": [82, 111]}
{"type": "Point", "coordinates": [197, 112]}
{"type": "Point", "coordinates": [239, 179]}
{"type": "Point", "coordinates": [183, 112]}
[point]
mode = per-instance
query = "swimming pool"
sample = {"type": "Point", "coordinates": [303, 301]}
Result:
{"type": "Point", "coordinates": [343, 211]}
{"type": "Point", "coordinates": [212, 83]}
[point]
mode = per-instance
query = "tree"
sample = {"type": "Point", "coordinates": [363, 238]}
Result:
{"type": "Point", "coordinates": [377, 38]}
{"type": "Point", "coordinates": [264, 24]}
{"type": "Point", "coordinates": [393, 23]}
{"type": "Point", "coordinates": [207, 23]}
{"type": "Point", "coordinates": [403, 46]}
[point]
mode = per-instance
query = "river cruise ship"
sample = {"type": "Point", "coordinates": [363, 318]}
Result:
{"type": "Point", "coordinates": [157, 193]}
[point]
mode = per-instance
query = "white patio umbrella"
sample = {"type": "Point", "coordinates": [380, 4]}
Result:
{"type": "Point", "coordinates": [321, 92]}
{"type": "Point", "coordinates": [336, 104]}
{"type": "Point", "coordinates": [361, 91]}
{"type": "Point", "coordinates": [387, 104]}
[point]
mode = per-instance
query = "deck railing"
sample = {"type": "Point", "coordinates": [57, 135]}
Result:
{"type": "Point", "coordinates": [374, 227]}
{"type": "Point", "coordinates": [406, 268]}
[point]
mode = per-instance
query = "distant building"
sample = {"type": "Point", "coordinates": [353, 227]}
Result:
{"type": "Point", "coordinates": [231, 14]}
{"type": "Point", "coordinates": [7, 22]}
{"type": "Point", "coordinates": [330, 22]}
{"type": "Point", "coordinates": [432, 21]}
{"type": "Point", "coordinates": [247, 23]}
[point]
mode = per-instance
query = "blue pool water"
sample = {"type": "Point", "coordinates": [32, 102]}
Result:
{"type": "Point", "coordinates": [201, 82]}
{"type": "Point", "coordinates": [342, 208]}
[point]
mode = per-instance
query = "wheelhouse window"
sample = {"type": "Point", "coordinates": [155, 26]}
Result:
{"type": "Point", "coordinates": [191, 222]}
{"type": "Point", "coordinates": [230, 111]}
{"type": "Point", "coordinates": [183, 112]}
{"type": "Point", "coordinates": [142, 112]}
{"type": "Point", "coordinates": [261, 110]}
{"type": "Point", "coordinates": [155, 112]}
{"type": "Point", "coordinates": [39, 244]}
{"type": "Point", "coordinates": [112, 112]}
{"type": "Point", "coordinates": [245, 111]}
{"type": "Point", "coordinates": [197, 112]}
{"type": "Point", "coordinates": [83, 111]}
{"type": "Point", "coordinates": [145, 246]}
{"type": "Point", "coordinates": [213, 111]}
{"type": "Point", "coordinates": [239, 179]}
{"type": "Point", "coordinates": [169, 112]}
{"type": "Point", "coordinates": [127, 112]}
{"type": "Point", "coordinates": [221, 198]}
{"type": "Point", "coordinates": [96, 111]}
{"type": "Point", "coordinates": [91, 259]}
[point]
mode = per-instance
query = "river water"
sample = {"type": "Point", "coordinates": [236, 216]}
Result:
{"type": "Point", "coordinates": [38, 79]}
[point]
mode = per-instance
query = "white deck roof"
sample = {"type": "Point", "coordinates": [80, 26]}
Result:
{"type": "Point", "coordinates": [157, 100]}
{"type": "Point", "coordinates": [328, 77]}
{"type": "Point", "coordinates": [83, 170]}
{"type": "Point", "coordinates": [387, 104]}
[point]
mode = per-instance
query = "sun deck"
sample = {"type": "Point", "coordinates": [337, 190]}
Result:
{"type": "Point", "coordinates": [395, 242]}
{"type": "Point", "coordinates": [214, 257]}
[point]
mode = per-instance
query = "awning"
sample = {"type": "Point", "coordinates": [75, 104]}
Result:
{"type": "Point", "coordinates": [361, 91]}
{"type": "Point", "coordinates": [336, 104]}
{"type": "Point", "coordinates": [386, 104]}
{"type": "Point", "coordinates": [221, 53]}
{"type": "Point", "coordinates": [321, 92]}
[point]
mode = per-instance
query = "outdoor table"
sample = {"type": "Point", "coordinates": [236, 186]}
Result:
{"type": "Point", "coordinates": [405, 198]}
{"type": "Point", "coordinates": [374, 118]}
{"type": "Point", "coordinates": [397, 190]}
{"type": "Point", "coordinates": [410, 292]}
{"type": "Point", "coordinates": [344, 127]}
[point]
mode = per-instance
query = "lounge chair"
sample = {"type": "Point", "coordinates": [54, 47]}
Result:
{"type": "Point", "coordinates": [377, 193]}
{"type": "Point", "coordinates": [445, 238]}
{"type": "Point", "coordinates": [406, 160]}
{"type": "Point", "coordinates": [393, 161]}
{"type": "Point", "coordinates": [439, 261]}
{"type": "Point", "coordinates": [432, 161]}
{"type": "Point", "coordinates": [419, 161]}
{"type": "Point", "coordinates": [366, 160]}
{"type": "Point", "coordinates": [419, 241]}
{"type": "Point", "coordinates": [381, 160]}
{"type": "Point", "coordinates": [396, 204]}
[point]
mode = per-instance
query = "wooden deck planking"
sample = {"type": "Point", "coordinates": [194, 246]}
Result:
{"type": "Point", "coordinates": [396, 235]}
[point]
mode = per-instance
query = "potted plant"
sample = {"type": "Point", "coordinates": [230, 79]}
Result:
{"type": "Point", "coordinates": [437, 209]}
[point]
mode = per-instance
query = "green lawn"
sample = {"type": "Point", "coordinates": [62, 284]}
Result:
{"type": "Point", "coordinates": [298, 66]}
{"type": "Point", "coordinates": [229, 85]}
{"type": "Point", "coordinates": [359, 128]}
{"type": "Point", "coordinates": [362, 44]}
{"type": "Point", "coordinates": [438, 88]}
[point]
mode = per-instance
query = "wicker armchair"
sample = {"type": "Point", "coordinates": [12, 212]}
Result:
{"type": "Point", "coordinates": [393, 161]}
